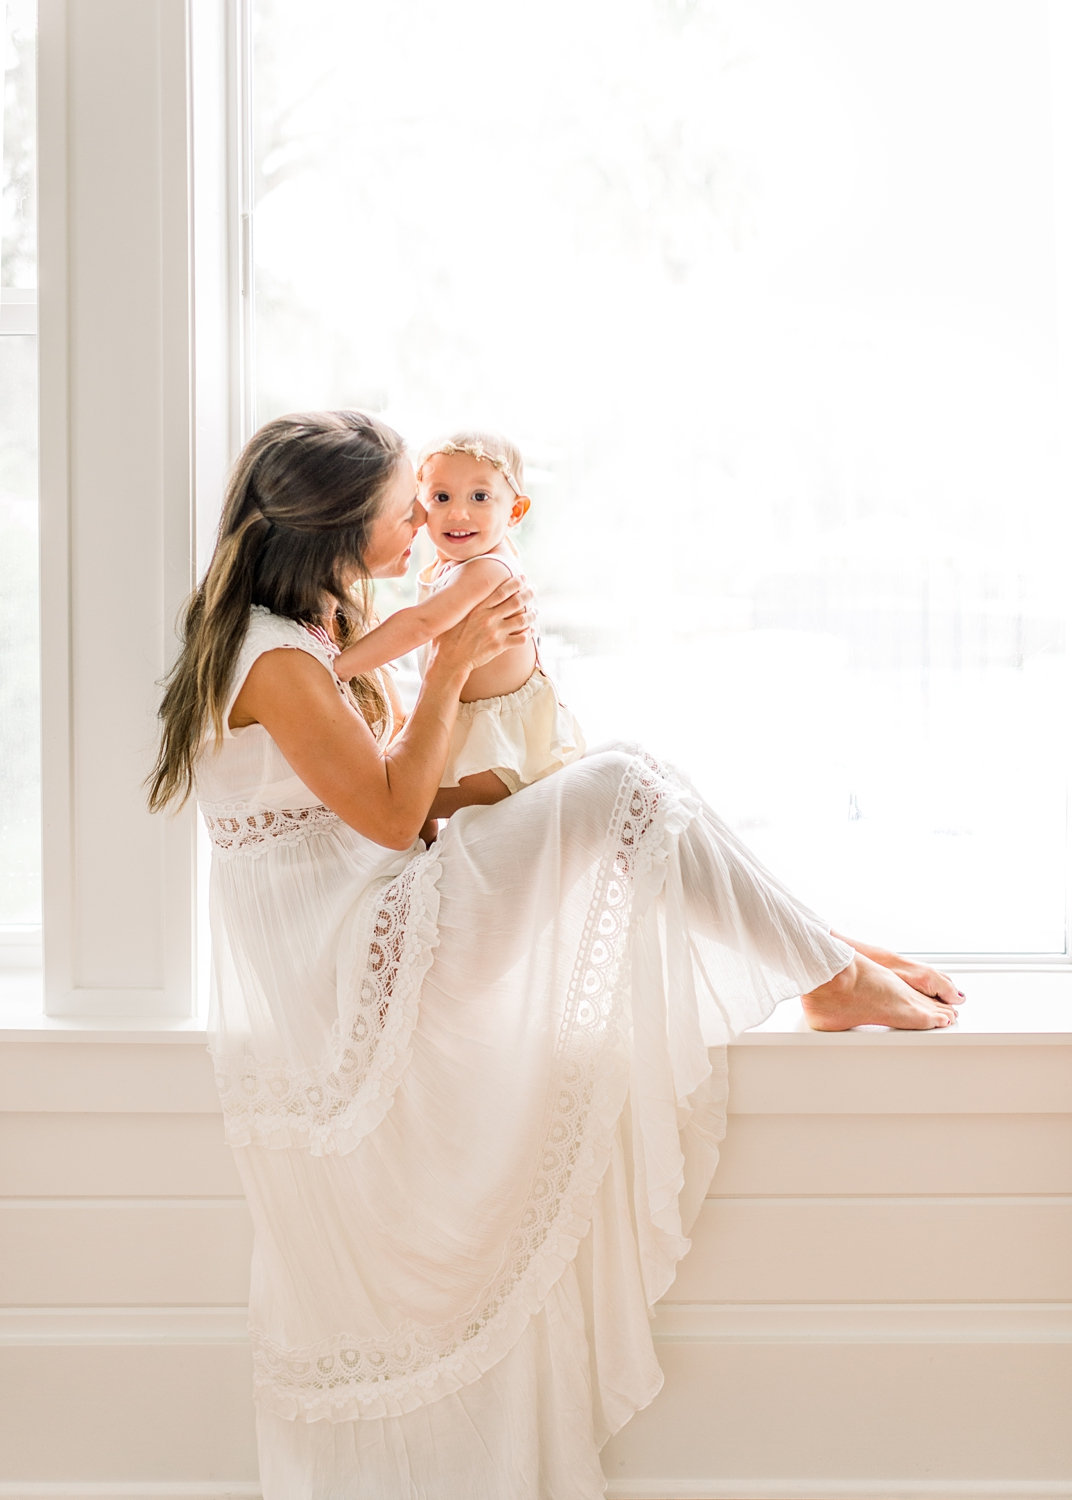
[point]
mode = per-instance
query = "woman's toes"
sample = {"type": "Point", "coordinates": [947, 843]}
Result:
{"type": "Point", "coordinates": [864, 994]}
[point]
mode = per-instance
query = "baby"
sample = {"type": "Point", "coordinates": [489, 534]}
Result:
{"type": "Point", "coordinates": [511, 721]}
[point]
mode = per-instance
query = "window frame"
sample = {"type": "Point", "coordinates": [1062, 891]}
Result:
{"type": "Point", "coordinates": [116, 451]}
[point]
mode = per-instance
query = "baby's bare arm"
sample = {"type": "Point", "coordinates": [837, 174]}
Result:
{"type": "Point", "coordinates": [420, 623]}
{"type": "Point", "coordinates": [404, 631]}
{"type": "Point", "coordinates": [479, 790]}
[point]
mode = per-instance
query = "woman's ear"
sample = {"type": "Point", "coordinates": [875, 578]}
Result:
{"type": "Point", "coordinates": [520, 510]}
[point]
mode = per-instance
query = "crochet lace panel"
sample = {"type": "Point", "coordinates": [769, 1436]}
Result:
{"type": "Point", "coordinates": [250, 832]}
{"type": "Point", "coordinates": [344, 1377]}
{"type": "Point", "coordinates": [267, 1101]}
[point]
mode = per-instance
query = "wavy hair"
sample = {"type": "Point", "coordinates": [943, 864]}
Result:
{"type": "Point", "coordinates": [294, 528]}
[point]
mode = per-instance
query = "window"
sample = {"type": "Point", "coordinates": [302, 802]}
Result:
{"type": "Point", "coordinates": [690, 347]}
{"type": "Point", "coordinates": [116, 555]}
{"type": "Point", "coordinates": [20, 752]}
{"type": "Point", "coordinates": [770, 295]}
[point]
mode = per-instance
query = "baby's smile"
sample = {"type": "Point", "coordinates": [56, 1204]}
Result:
{"type": "Point", "coordinates": [469, 503]}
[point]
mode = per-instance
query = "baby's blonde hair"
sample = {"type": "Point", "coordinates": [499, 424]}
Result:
{"type": "Point", "coordinates": [485, 447]}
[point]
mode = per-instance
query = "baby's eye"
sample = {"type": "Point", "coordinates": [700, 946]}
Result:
{"type": "Point", "coordinates": [481, 495]}
{"type": "Point", "coordinates": [440, 497]}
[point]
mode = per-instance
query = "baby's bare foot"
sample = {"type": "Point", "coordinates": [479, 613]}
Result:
{"type": "Point", "coordinates": [865, 994]}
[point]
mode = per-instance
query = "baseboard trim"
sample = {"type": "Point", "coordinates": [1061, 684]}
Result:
{"type": "Point", "coordinates": [648, 1489]}
{"type": "Point", "coordinates": [786, 1323]}
{"type": "Point", "coordinates": [839, 1489]}
{"type": "Point", "coordinates": [188, 1490]}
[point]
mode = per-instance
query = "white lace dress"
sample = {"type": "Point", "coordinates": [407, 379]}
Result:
{"type": "Point", "coordinates": [473, 1107]}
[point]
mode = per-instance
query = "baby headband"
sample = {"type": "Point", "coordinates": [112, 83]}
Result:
{"type": "Point", "coordinates": [476, 450]}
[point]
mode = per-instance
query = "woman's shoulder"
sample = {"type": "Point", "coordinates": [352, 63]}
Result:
{"type": "Point", "coordinates": [270, 632]}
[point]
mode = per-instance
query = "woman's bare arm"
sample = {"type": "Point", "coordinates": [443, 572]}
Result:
{"type": "Point", "coordinates": [383, 793]}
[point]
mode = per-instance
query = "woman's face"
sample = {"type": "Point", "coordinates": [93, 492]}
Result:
{"type": "Point", "coordinates": [400, 517]}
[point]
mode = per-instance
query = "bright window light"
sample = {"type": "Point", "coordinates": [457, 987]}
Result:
{"type": "Point", "coordinates": [768, 291]}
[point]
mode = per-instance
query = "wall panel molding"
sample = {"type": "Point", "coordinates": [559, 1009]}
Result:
{"type": "Point", "coordinates": [137, 1071]}
{"type": "Point", "coordinates": [212, 1490]}
{"type": "Point", "coordinates": [862, 1489]}
{"type": "Point", "coordinates": [768, 1323]}
{"type": "Point", "coordinates": [852, 1489]}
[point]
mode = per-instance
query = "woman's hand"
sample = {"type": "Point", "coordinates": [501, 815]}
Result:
{"type": "Point", "coordinates": [501, 620]}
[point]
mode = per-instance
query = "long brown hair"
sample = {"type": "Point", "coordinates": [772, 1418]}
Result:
{"type": "Point", "coordinates": [294, 528]}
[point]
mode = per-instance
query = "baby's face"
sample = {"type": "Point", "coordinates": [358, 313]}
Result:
{"type": "Point", "coordinates": [469, 502]}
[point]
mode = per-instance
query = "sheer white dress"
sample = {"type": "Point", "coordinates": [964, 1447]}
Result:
{"type": "Point", "coordinates": [472, 1102]}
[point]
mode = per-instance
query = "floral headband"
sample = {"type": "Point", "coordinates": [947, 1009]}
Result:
{"type": "Point", "coordinates": [475, 449]}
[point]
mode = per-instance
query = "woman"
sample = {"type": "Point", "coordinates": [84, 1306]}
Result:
{"type": "Point", "coordinates": [468, 1086]}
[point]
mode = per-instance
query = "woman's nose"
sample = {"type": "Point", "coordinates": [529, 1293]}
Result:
{"type": "Point", "coordinates": [420, 515]}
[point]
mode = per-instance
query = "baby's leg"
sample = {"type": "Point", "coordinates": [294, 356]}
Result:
{"type": "Point", "coordinates": [479, 790]}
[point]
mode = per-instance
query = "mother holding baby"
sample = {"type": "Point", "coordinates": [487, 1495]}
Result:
{"type": "Point", "coordinates": [468, 1084]}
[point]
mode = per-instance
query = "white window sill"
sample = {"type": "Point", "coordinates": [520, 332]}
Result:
{"type": "Point", "coordinates": [1005, 1006]}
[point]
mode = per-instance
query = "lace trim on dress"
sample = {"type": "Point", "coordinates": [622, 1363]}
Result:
{"type": "Point", "coordinates": [382, 960]}
{"type": "Point", "coordinates": [253, 831]}
{"type": "Point", "coordinates": [345, 1377]}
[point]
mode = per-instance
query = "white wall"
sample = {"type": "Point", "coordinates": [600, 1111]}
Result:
{"type": "Point", "coordinates": [878, 1301]}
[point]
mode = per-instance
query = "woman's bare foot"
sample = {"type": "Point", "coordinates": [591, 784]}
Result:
{"type": "Point", "coordinates": [918, 976]}
{"type": "Point", "coordinates": [868, 994]}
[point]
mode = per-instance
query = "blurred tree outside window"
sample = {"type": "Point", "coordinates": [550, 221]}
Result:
{"type": "Point", "coordinates": [768, 292]}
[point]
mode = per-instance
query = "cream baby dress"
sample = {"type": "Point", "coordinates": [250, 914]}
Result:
{"type": "Point", "coordinates": [522, 736]}
{"type": "Point", "coordinates": [471, 1100]}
